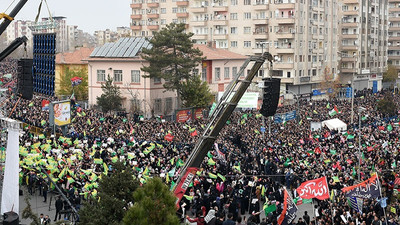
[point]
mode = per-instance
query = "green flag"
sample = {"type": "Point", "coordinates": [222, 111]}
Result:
{"type": "Point", "coordinates": [211, 162]}
{"type": "Point", "coordinates": [333, 152]}
{"type": "Point", "coordinates": [222, 177]}
{"type": "Point", "coordinates": [389, 127]}
{"type": "Point", "coordinates": [213, 176]}
{"type": "Point", "coordinates": [269, 208]}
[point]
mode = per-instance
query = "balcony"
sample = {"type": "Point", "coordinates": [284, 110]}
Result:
{"type": "Point", "coordinates": [349, 47]}
{"type": "Point", "coordinates": [350, 1]}
{"type": "Point", "coordinates": [394, 1]}
{"type": "Point", "coordinates": [220, 36]}
{"type": "Point", "coordinates": [182, 15]}
{"type": "Point", "coordinates": [153, 16]}
{"type": "Point", "coordinates": [350, 13]}
{"type": "Point", "coordinates": [349, 24]}
{"type": "Point", "coordinates": [349, 36]}
{"type": "Point", "coordinates": [260, 21]}
{"type": "Point", "coordinates": [261, 7]}
{"type": "Point", "coordinates": [348, 70]}
{"type": "Point", "coordinates": [198, 9]}
{"type": "Point", "coordinates": [136, 27]}
{"type": "Point", "coordinates": [394, 19]}
{"type": "Point", "coordinates": [136, 5]}
{"type": "Point", "coordinates": [220, 8]}
{"type": "Point", "coordinates": [153, 27]}
{"type": "Point", "coordinates": [285, 20]}
{"type": "Point", "coordinates": [260, 35]}
{"type": "Point", "coordinates": [136, 17]}
{"type": "Point", "coordinates": [182, 3]}
{"type": "Point", "coordinates": [220, 22]}
{"type": "Point", "coordinates": [199, 23]}
{"type": "Point", "coordinates": [285, 80]}
{"type": "Point", "coordinates": [153, 4]}
{"type": "Point", "coordinates": [393, 28]}
{"type": "Point", "coordinates": [349, 59]}
{"type": "Point", "coordinates": [283, 65]}
{"type": "Point", "coordinates": [281, 4]}
{"type": "Point", "coordinates": [394, 38]}
{"type": "Point", "coordinates": [394, 9]}
{"type": "Point", "coordinates": [200, 37]}
{"type": "Point", "coordinates": [394, 47]}
{"type": "Point", "coordinates": [285, 35]}
{"type": "Point", "coordinates": [305, 79]}
{"type": "Point", "coordinates": [394, 56]}
{"type": "Point", "coordinates": [284, 50]}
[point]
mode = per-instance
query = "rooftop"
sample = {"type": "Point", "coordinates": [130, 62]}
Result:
{"type": "Point", "coordinates": [123, 48]}
{"type": "Point", "coordinates": [75, 57]}
{"type": "Point", "coordinates": [217, 53]}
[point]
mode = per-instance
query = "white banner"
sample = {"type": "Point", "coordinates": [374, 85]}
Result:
{"type": "Point", "coordinates": [10, 197]}
{"type": "Point", "coordinates": [249, 100]}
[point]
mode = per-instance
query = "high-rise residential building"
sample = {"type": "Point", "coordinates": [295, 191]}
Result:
{"type": "Point", "coordinates": [301, 35]}
{"type": "Point", "coordinates": [394, 34]}
{"type": "Point", "coordinates": [19, 28]}
{"type": "Point", "coordinates": [364, 42]}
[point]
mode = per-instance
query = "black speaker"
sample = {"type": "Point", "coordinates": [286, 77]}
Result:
{"type": "Point", "coordinates": [271, 91]}
{"type": "Point", "coordinates": [25, 78]}
{"type": "Point", "coordinates": [10, 218]}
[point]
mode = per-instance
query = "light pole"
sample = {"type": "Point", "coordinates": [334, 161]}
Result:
{"type": "Point", "coordinates": [360, 110]}
{"type": "Point", "coordinates": [352, 99]}
{"type": "Point", "coordinates": [262, 43]}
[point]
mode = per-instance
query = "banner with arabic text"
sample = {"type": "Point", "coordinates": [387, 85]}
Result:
{"type": "Point", "coordinates": [317, 188]}
{"type": "Point", "coordinates": [367, 189]}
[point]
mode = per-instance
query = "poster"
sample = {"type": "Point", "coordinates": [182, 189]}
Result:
{"type": "Point", "coordinates": [198, 114]}
{"type": "Point", "coordinates": [183, 115]}
{"type": "Point", "coordinates": [61, 112]}
{"type": "Point", "coordinates": [249, 100]}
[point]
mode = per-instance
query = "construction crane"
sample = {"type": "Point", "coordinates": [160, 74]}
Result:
{"type": "Point", "coordinates": [218, 120]}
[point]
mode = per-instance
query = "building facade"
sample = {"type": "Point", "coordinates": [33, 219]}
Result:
{"type": "Point", "coordinates": [394, 34]}
{"type": "Point", "coordinates": [121, 61]}
{"type": "Point", "coordinates": [363, 42]}
{"type": "Point", "coordinates": [19, 28]}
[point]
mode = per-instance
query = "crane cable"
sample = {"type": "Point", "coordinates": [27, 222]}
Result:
{"type": "Point", "coordinates": [4, 15]}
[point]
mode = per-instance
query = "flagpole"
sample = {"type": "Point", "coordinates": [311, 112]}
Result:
{"type": "Point", "coordinates": [380, 192]}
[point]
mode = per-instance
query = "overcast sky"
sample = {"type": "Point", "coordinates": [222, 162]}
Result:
{"type": "Point", "coordinates": [88, 15]}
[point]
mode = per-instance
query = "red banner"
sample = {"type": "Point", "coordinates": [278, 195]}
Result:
{"type": "Point", "coordinates": [198, 114]}
{"type": "Point", "coordinates": [169, 137]}
{"type": "Point", "coordinates": [317, 188]}
{"type": "Point", "coordinates": [184, 184]}
{"type": "Point", "coordinates": [183, 116]}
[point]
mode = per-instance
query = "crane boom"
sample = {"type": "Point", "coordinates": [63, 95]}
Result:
{"type": "Point", "coordinates": [218, 120]}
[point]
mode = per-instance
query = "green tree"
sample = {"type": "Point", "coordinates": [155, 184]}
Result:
{"type": "Point", "coordinates": [115, 194]}
{"type": "Point", "coordinates": [111, 98]}
{"type": "Point", "coordinates": [154, 205]}
{"type": "Point", "coordinates": [196, 93]}
{"type": "Point", "coordinates": [387, 106]}
{"type": "Point", "coordinates": [391, 74]}
{"type": "Point", "coordinates": [81, 91]}
{"type": "Point", "coordinates": [171, 57]}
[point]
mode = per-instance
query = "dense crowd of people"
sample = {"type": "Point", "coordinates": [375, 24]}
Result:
{"type": "Point", "coordinates": [248, 169]}
{"type": "Point", "coordinates": [8, 72]}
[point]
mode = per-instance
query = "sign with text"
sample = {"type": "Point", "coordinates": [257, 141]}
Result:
{"type": "Point", "coordinates": [249, 100]}
{"type": "Point", "coordinates": [198, 114]}
{"type": "Point", "coordinates": [317, 188]}
{"type": "Point", "coordinates": [183, 115]}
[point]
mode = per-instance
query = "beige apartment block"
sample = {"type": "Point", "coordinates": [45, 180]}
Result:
{"type": "Point", "coordinates": [394, 34]}
{"type": "Point", "coordinates": [364, 42]}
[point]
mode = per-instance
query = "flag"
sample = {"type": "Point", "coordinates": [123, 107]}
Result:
{"type": "Point", "coordinates": [222, 177]}
{"type": "Point", "coordinates": [301, 122]}
{"type": "Point", "coordinates": [328, 106]}
{"type": "Point", "coordinates": [98, 161]}
{"type": "Point", "coordinates": [30, 104]}
{"type": "Point", "coordinates": [336, 109]}
{"type": "Point", "coordinates": [289, 210]}
{"type": "Point", "coordinates": [190, 198]}
{"type": "Point", "coordinates": [169, 137]}
{"type": "Point", "coordinates": [75, 81]}
{"type": "Point", "coordinates": [389, 127]}
{"type": "Point", "coordinates": [41, 136]}
{"type": "Point", "coordinates": [211, 162]}
{"type": "Point", "coordinates": [317, 150]}
{"type": "Point", "coordinates": [369, 188]}
{"type": "Point", "coordinates": [332, 195]}
{"type": "Point", "coordinates": [237, 168]}
{"type": "Point", "coordinates": [397, 181]}
{"type": "Point", "coordinates": [317, 188]}
{"type": "Point", "coordinates": [383, 202]}
{"type": "Point", "coordinates": [214, 105]}
{"type": "Point", "coordinates": [179, 163]}
{"type": "Point", "coordinates": [220, 155]}
{"type": "Point", "coordinates": [213, 176]}
{"type": "Point", "coordinates": [355, 203]}
{"type": "Point", "coordinates": [105, 167]}
{"type": "Point", "coordinates": [269, 208]}
{"type": "Point", "coordinates": [333, 152]}
{"type": "Point", "coordinates": [332, 112]}
{"type": "Point", "coordinates": [194, 133]}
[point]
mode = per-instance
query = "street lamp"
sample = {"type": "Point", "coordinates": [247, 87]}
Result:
{"type": "Point", "coordinates": [360, 110]}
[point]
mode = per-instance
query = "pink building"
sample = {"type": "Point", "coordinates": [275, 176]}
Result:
{"type": "Point", "coordinates": [122, 62]}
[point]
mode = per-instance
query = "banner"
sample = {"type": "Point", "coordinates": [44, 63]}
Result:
{"type": "Point", "coordinates": [60, 113]}
{"type": "Point", "coordinates": [367, 189]}
{"type": "Point", "coordinates": [355, 203]}
{"type": "Point", "coordinates": [10, 192]}
{"type": "Point", "coordinates": [317, 188]}
{"type": "Point", "coordinates": [76, 81]}
{"type": "Point", "coordinates": [45, 104]}
{"type": "Point", "coordinates": [249, 100]}
{"type": "Point", "coordinates": [281, 118]}
{"type": "Point", "coordinates": [198, 114]}
{"type": "Point", "coordinates": [289, 210]}
{"type": "Point", "coordinates": [184, 183]}
{"type": "Point", "coordinates": [183, 115]}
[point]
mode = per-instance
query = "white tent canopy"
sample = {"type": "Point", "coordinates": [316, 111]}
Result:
{"type": "Point", "coordinates": [335, 124]}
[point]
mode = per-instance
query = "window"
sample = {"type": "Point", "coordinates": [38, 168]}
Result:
{"type": "Point", "coordinates": [234, 71]}
{"type": "Point", "coordinates": [233, 16]}
{"type": "Point", "coordinates": [135, 76]}
{"type": "Point", "coordinates": [174, 10]}
{"type": "Point", "coordinates": [163, 21]}
{"type": "Point", "coordinates": [246, 2]}
{"type": "Point", "coordinates": [163, 10]}
{"type": "Point", "coordinates": [157, 105]}
{"type": "Point", "coordinates": [226, 72]}
{"type": "Point", "coordinates": [233, 30]}
{"type": "Point", "coordinates": [234, 2]}
{"type": "Point", "coordinates": [247, 44]}
{"type": "Point", "coordinates": [117, 75]}
{"type": "Point", "coordinates": [101, 75]}
{"type": "Point", "coordinates": [204, 74]}
{"type": "Point", "coordinates": [246, 30]}
{"type": "Point", "coordinates": [217, 73]}
{"type": "Point", "coordinates": [157, 80]}
{"type": "Point", "coordinates": [247, 15]}
{"type": "Point", "coordinates": [168, 105]}
{"type": "Point", "coordinates": [233, 44]}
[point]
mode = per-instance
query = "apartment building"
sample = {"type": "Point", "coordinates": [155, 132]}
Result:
{"type": "Point", "coordinates": [19, 28]}
{"type": "Point", "coordinates": [364, 42]}
{"type": "Point", "coordinates": [394, 34]}
{"type": "Point", "coordinates": [301, 35]}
